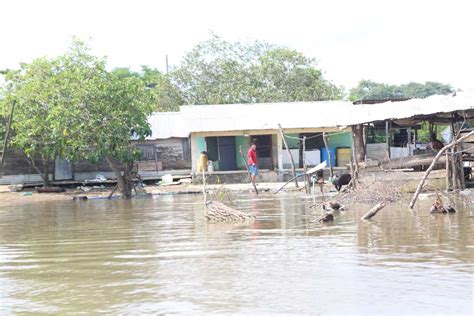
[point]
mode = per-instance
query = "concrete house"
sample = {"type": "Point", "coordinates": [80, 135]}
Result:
{"type": "Point", "coordinates": [368, 130]}
{"type": "Point", "coordinates": [223, 130]}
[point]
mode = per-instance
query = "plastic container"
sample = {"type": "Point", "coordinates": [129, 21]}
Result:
{"type": "Point", "coordinates": [343, 155]}
{"type": "Point", "coordinates": [210, 166]}
{"type": "Point", "coordinates": [324, 156]}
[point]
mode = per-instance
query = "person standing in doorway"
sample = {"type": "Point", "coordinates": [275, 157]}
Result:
{"type": "Point", "coordinates": [252, 162]}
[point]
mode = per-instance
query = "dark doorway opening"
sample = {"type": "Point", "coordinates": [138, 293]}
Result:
{"type": "Point", "coordinates": [264, 150]}
{"type": "Point", "coordinates": [227, 155]}
{"type": "Point", "coordinates": [212, 149]}
{"type": "Point", "coordinates": [222, 149]}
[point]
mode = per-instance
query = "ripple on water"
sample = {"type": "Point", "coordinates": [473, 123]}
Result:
{"type": "Point", "coordinates": [160, 256]}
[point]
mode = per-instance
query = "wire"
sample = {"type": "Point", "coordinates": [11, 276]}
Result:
{"type": "Point", "coordinates": [314, 136]}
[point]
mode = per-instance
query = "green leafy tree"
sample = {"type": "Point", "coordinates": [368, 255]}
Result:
{"type": "Point", "coordinates": [419, 90]}
{"type": "Point", "coordinates": [167, 95]}
{"type": "Point", "coordinates": [71, 107]}
{"type": "Point", "coordinates": [367, 89]}
{"type": "Point", "coordinates": [221, 72]}
{"type": "Point", "coordinates": [286, 75]}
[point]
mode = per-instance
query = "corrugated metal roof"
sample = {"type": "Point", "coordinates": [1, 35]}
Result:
{"type": "Point", "coordinates": [264, 116]}
{"type": "Point", "coordinates": [167, 124]}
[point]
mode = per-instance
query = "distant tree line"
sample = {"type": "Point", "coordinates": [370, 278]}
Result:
{"type": "Point", "coordinates": [367, 89]}
{"type": "Point", "coordinates": [216, 71]}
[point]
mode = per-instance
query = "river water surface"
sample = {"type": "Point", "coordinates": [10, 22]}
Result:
{"type": "Point", "coordinates": [159, 256]}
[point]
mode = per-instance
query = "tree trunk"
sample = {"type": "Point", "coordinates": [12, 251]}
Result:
{"type": "Point", "coordinates": [125, 181]}
{"type": "Point", "coordinates": [31, 162]}
{"type": "Point", "coordinates": [358, 142]}
{"type": "Point", "coordinates": [46, 182]}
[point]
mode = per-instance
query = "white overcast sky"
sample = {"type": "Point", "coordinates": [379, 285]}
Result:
{"type": "Point", "coordinates": [386, 41]}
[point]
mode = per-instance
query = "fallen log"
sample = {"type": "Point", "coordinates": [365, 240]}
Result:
{"type": "Point", "coordinates": [374, 210]}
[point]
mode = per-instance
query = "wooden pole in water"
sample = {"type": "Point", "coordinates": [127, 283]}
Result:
{"type": "Point", "coordinates": [387, 140]}
{"type": "Point", "coordinates": [453, 167]}
{"type": "Point", "coordinates": [448, 178]}
{"type": "Point", "coordinates": [325, 140]}
{"type": "Point", "coordinates": [306, 181]}
{"type": "Point", "coordinates": [374, 210]}
{"type": "Point", "coordinates": [293, 169]}
{"type": "Point", "coordinates": [353, 176]}
{"type": "Point", "coordinates": [433, 163]}
{"type": "Point", "coordinates": [204, 188]}
{"type": "Point", "coordinates": [461, 173]}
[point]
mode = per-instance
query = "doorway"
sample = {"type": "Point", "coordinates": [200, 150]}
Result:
{"type": "Point", "coordinates": [264, 150]}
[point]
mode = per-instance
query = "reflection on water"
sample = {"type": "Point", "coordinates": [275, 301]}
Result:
{"type": "Point", "coordinates": [160, 256]}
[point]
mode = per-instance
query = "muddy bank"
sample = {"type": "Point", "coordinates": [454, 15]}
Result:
{"type": "Point", "coordinates": [369, 192]}
{"type": "Point", "coordinates": [8, 198]}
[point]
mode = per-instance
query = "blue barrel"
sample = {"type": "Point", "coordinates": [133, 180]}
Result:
{"type": "Point", "coordinates": [324, 156]}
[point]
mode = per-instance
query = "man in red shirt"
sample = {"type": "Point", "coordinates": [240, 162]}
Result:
{"type": "Point", "coordinates": [252, 162]}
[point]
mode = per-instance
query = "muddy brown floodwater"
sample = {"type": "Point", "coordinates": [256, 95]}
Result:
{"type": "Point", "coordinates": [159, 256]}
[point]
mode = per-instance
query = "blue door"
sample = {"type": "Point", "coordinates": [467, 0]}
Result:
{"type": "Point", "coordinates": [227, 154]}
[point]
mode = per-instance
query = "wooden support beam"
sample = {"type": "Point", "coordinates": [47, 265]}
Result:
{"type": "Point", "coordinates": [325, 140]}
{"type": "Point", "coordinates": [306, 177]}
{"type": "Point", "coordinates": [293, 169]}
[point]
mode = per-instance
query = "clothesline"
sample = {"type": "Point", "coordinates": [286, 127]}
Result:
{"type": "Point", "coordinates": [314, 136]}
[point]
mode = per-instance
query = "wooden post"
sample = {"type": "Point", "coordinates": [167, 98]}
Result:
{"type": "Point", "coordinates": [458, 170]}
{"type": "Point", "coordinates": [461, 173]}
{"type": "Point", "coordinates": [453, 156]}
{"type": "Point", "coordinates": [293, 169]}
{"type": "Point", "coordinates": [387, 139]}
{"type": "Point", "coordinates": [204, 188]}
{"type": "Point", "coordinates": [353, 182]}
{"type": "Point", "coordinates": [433, 163]}
{"type": "Point", "coordinates": [325, 140]}
{"type": "Point", "coordinates": [454, 169]}
{"type": "Point", "coordinates": [448, 178]}
{"type": "Point", "coordinates": [156, 158]}
{"type": "Point", "coordinates": [306, 180]}
{"type": "Point", "coordinates": [365, 132]}
{"type": "Point", "coordinates": [373, 211]}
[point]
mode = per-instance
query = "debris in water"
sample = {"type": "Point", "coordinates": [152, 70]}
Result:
{"type": "Point", "coordinates": [79, 198]}
{"type": "Point", "coordinates": [218, 212]}
{"type": "Point", "coordinates": [327, 217]}
{"type": "Point", "coordinates": [438, 207]}
{"type": "Point", "coordinates": [374, 210]}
